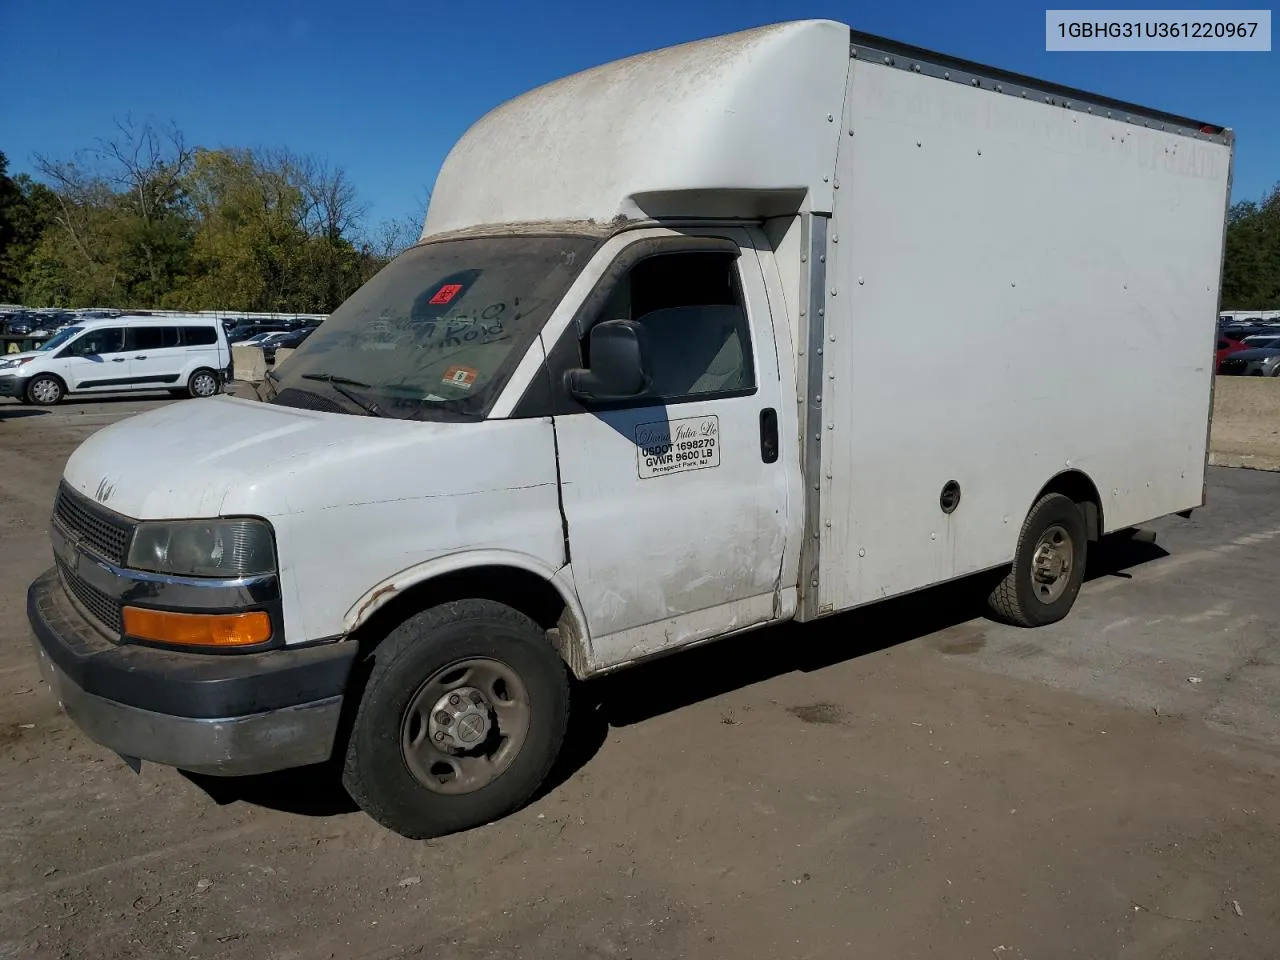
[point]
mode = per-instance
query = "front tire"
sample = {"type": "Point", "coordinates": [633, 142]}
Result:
{"type": "Point", "coordinates": [462, 717]}
{"type": "Point", "coordinates": [1048, 567]}
{"type": "Point", "coordinates": [45, 390]}
{"type": "Point", "coordinates": [203, 383]}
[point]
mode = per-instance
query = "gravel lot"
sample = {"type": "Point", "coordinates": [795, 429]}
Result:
{"type": "Point", "coordinates": [907, 781]}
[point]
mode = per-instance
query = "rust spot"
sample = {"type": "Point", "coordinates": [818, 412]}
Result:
{"type": "Point", "coordinates": [388, 590]}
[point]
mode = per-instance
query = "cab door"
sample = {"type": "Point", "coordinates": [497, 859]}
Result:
{"type": "Point", "coordinates": [96, 361]}
{"type": "Point", "coordinates": [676, 506]}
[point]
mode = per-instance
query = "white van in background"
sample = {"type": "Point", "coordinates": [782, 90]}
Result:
{"type": "Point", "coordinates": [185, 355]}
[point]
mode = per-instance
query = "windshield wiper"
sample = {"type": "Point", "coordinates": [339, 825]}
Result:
{"type": "Point", "coordinates": [368, 406]}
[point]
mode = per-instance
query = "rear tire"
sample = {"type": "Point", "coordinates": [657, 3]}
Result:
{"type": "Point", "coordinates": [1048, 567]}
{"type": "Point", "coordinates": [202, 383]}
{"type": "Point", "coordinates": [45, 390]}
{"type": "Point", "coordinates": [400, 766]}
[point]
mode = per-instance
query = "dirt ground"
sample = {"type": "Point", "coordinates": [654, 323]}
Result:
{"type": "Point", "coordinates": [1246, 422]}
{"type": "Point", "coordinates": [909, 781]}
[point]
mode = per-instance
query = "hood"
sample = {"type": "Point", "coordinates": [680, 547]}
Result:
{"type": "Point", "coordinates": [226, 456]}
{"type": "Point", "coordinates": [25, 355]}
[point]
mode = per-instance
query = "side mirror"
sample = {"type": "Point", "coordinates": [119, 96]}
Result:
{"type": "Point", "coordinates": [618, 368]}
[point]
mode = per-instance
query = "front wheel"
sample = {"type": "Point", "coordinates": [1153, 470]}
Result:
{"type": "Point", "coordinates": [1048, 567]}
{"type": "Point", "coordinates": [44, 390]}
{"type": "Point", "coordinates": [462, 717]}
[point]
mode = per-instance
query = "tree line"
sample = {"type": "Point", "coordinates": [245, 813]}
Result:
{"type": "Point", "coordinates": [142, 220]}
{"type": "Point", "coordinates": [1251, 271]}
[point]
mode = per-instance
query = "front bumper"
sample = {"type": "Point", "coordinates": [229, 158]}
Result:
{"type": "Point", "coordinates": [13, 387]}
{"type": "Point", "coordinates": [222, 714]}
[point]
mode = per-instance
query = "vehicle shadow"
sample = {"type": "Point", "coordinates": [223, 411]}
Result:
{"type": "Point", "coordinates": [702, 673]}
{"type": "Point", "coordinates": [18, 413]}
{"type": "Point", "coordinates": [90, 399]}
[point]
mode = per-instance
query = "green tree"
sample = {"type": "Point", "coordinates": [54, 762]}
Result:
{"type": "Point", "coordinates": [1251, 270]}
{"type": "Point", "coordinates": [120, 234]}
{"type": "Point", "coordinates": [26, 209]}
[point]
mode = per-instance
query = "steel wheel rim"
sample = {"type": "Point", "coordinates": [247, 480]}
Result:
{"type": "Point", "coordinates": [45, 391]}
{"type": "Point", "coordinates": [473, 752]}
{"type": "Point", "coordinates": [203, 385]}
{"type": "Point", "coordinates": [1052, 563]}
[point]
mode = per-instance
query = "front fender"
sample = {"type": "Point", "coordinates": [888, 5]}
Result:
{"type": "Point", "coordinates": [384, 592]}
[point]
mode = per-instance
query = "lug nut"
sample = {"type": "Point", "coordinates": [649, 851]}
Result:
{"type": "Point", "coordinates": [476, 698]}
{"type": "Point", "coordinates": [439, 738]}
{"type": "Point", "coordinates": [444, 718]}
{"type": "Point", "coordinates": [455, 699]}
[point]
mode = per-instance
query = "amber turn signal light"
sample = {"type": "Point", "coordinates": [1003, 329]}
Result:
{"type": "Point", "coordinates": [198, 629]}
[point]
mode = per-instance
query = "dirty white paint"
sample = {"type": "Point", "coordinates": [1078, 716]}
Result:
{"type": "Point", "coordinates": [1058, 272]}
{"type": "Point", "coordinates": [746, 112]}
{"type": "Point", "coordinates": [640, 643]}
{"type": "Point", "coordinates": [653, 552]}
{"type": "Point", "coordinates": [356, 502]}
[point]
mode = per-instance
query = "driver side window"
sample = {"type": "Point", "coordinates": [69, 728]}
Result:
{"type": "Point", "coordinates": [695, 333]}
{"type": "Point", "coordinates": [96, 342]}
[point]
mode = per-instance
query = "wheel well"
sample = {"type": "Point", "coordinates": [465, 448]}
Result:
{"type": "Point", "coordinates": [1078, 487]}
{"type": "Point", "coordinates": [519, 589]}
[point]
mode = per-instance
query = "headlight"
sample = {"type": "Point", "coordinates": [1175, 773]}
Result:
{"type": "Point", "coordinates": [204, 548]}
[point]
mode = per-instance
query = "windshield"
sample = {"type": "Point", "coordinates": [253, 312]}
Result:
{"type": "Point", "coordinates": [438, 331]}
{"type": "Point", "coordinates": [59, 338]}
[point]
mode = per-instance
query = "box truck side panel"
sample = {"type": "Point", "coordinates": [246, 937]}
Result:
{"type": "Point", "coordinates": [1015, 290]}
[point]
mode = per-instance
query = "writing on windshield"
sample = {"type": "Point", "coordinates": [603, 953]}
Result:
{"type": "Point", "coordinates": [442, 326]}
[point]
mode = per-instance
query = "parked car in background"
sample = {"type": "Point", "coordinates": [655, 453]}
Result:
{"type": "Point", "coordinates": [244, 331]}
{"type": "Point", "coordinates": [1253, 362]}
{"type": "Point", "coordinates": [1228, 345]}
{"type": "Point", "coordinates": [287, 340]}
{"type": "Point", "coordinates": [187, 355]}
{"type": "Point", "coordinates": [260, 339]}
{"type": "Point", "coordinates": [20, 325]}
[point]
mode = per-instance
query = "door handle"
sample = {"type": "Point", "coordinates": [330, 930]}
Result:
{"type": "Point", "coordinates": [769, 435]}
{"type": "Point", "coordinates": [141, 357]}
{"type": "Point", "coordinates": [117, 359]}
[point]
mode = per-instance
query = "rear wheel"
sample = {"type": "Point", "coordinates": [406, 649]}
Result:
{"type": "Point", "coordinates": [1048, 567]}
{"type": "Point", "coordinates": [463, 714]}
{"type": "Point", "coordinates": [203, 383]}
{"type": "Point", "coordinates": [44, 390]}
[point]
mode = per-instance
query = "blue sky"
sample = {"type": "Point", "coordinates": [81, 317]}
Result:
{"type": "Point", "coordinates": [383, 89]}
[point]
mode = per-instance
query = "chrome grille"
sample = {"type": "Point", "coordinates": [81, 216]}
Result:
{"type": "Point", "coordinates": [103, 608]}
{"type": "Point", "coordinates": [102, 531]}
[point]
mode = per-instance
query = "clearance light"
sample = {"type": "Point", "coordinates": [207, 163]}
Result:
{"type": "Point", "coordinates": [197, 629]}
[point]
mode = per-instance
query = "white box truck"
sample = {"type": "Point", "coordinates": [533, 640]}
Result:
{"type": "Point", "coordinates": [760, 328]}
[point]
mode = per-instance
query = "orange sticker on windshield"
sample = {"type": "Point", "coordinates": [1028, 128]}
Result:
{"type": "Point", "coordinates": [461, 377]}
{"type": "Point", "coordinates": [446, 293]}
